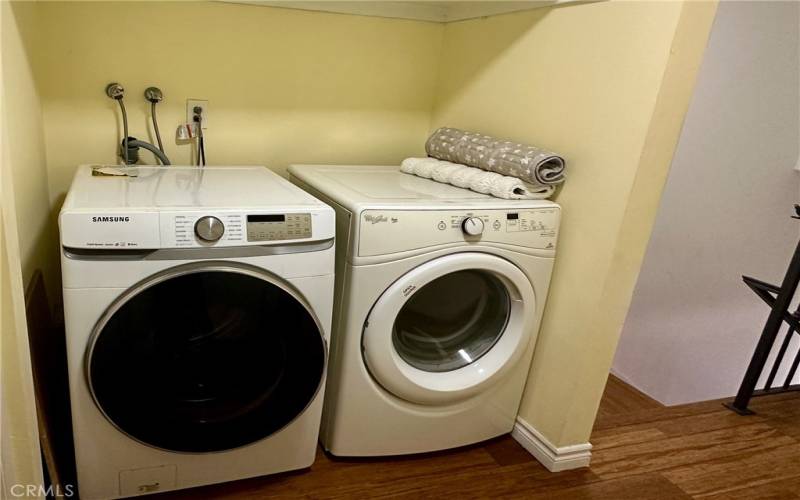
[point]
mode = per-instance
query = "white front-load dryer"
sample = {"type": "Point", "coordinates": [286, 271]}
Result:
{"type": "Point", "coordinates": [198, 305]}
{"type": "Point", "coordinates": [439, 296]}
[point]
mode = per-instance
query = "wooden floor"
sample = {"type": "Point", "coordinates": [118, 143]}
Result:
{"type": "Point", "coordinates": [642, 450]}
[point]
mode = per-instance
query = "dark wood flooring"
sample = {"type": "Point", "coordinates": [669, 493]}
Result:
{"type": "Point", "coordinates": [642, 450]}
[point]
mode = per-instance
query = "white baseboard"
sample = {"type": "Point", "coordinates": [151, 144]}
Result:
{"type": "Point", "coordinates": [554, 458]}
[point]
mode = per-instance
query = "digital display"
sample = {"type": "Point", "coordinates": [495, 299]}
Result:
{"type": "Point", "coordinates": [266, 218]}
{"type": "Point", "coordinates": [512, 216]}
{"type": "Point", "coordinates": [274, 227]}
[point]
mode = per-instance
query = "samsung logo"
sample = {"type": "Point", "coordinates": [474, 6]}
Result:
{"type": "Point", "coordinates": [111, 219]}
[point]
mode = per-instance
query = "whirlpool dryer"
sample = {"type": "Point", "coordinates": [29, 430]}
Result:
{"type": "Point", "coordinates": [198, 305]}
{"type": "Point", "coordinates": [439, 296]}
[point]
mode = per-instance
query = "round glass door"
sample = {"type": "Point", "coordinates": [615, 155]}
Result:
{"type": "Point", "coordinates": [449, 328]}
{"type": "Point", "coordinates": [206, 357]}
{"type": "Point", "coordinates": [452, 321]}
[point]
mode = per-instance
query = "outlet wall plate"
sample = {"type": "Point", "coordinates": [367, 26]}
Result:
{"type": "Point", "coordinates": [191, 104]}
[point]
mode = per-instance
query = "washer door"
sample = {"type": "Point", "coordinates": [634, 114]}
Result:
{"type": "Point", "coordinates": [206, 357]}
{"type": "Point", "coordinates": [449, 328]}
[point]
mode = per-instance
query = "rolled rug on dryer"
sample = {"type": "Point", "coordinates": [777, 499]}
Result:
{"type": "Point", "coordinates": [409, 165]}
{"type": "Point", "coordinates": [503, 186]}
{"type": "Point", "coordinates": [475, 179]}
{"type": "Point", "coordinates": [421, 167]}
{"type": "Point", "coordinates": [511, 188]}
{"type": "Point", "coordinates": [529, 163]}
{"type": "Point", "coordinates": [444, 171]}
{"type": "Point", "coordinates": [464, 177]}
{"type": "Point", "coordinates": [420, 185]}
{"type": "Point", "coordinates": [483, 182]}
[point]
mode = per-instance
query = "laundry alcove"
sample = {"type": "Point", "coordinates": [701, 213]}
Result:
{"type": "Point", "coordinates": [603, 82]}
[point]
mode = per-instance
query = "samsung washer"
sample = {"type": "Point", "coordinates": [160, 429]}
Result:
{"type": "Point", "coordinates": [198, 306]}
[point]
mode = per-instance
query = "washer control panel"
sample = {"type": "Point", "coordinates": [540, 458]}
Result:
{"type": "Point", "coordinates": [162, 229]}
{"type": "Point", "coordinates": [216, 229]}
{"type": "Point", "coordinates": [191, 230]}
{"type": "Point", "coordinates": [271, 227]}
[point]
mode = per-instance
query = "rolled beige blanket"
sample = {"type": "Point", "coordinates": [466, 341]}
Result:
{"type": "Point", "coordinates": [475, 179]}
{"type": "Point", "coordinates": [529, 163]}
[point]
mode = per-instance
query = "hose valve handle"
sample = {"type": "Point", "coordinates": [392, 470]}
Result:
{"type": "Point", "coordinates": [153, 94]}
{"type": "Point", "coordinates": [115, 91]}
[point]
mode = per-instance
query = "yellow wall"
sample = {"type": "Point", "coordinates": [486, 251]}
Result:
{"type": "Point", "coordinates": [26, 145]}
{"type": "Point", "coordinates": [19, 453]}
{"type": "Point", "coordinates": [20, 126]}
{"type": "Point", "coordinates": [588, 81]}
{"type": "Point", "coordinates": [284, 85]}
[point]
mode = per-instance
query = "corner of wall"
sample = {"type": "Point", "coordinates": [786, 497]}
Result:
{"type": "Point", "coordinates": [26, 153]}
{"type": "Point", "coordinates": [675, 93]}
{"type": "Point", "coordinates": [437, 89]}
{"type": "Point", "coordinates": [554, 458]}
{"type": "Point", "coordinates": [19, 454]}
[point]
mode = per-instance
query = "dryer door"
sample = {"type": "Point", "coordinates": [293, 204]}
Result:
{"type": "Point", "coordinates": [449, 328]}
{"type": "Point", "coordinates": [205, 357]}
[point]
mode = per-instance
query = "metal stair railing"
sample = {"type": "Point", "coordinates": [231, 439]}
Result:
{"type": "Point", "coordinates": [778, 298]}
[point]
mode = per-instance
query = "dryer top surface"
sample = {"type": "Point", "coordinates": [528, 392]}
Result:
{"type": "Point", "coordinates": [367, 186]}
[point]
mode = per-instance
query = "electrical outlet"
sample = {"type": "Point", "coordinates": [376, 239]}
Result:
{"type": "Point", "coordinates": [193, 103]}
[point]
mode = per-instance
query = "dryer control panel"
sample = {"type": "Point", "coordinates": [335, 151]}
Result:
{"type": "Point", "coordinates": [383, 232]}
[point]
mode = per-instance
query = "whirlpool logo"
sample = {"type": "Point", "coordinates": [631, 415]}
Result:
{"type": "Point", "coordinates": [112, 218]}
{"type": "Point", "coordinates": [375, 219]}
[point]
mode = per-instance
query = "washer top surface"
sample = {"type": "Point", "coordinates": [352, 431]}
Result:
{"type": "Point", "coordinates": [358, 187]}
{"type": "Point", "coordinates": [135, 208]}
{"type": "Point", "coordinates": [176, 188]}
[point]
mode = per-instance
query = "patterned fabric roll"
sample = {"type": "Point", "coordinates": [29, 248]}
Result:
{"type": "Point", "coordinates": [475, 179]}
{"type": "Point", "coordinates": [529, 163]}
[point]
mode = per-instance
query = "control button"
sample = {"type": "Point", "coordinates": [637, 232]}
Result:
{"type": "Point", "coordinates": [496, 225]}
{"type": "Point", "coordinates": [442, 226]}
{"type": "Point", "coordinates": [209, 228]}
{"type": "Point", "coordinates": [472, 226]}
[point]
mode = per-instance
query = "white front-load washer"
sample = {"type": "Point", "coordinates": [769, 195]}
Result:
{"type": "Point", "coordinates": [198, 305]}
{"type": "Point", "coordinates": [439, 295]}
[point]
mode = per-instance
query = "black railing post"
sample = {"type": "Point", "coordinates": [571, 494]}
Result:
{"type": "Point", "coordinates": [768, 335]}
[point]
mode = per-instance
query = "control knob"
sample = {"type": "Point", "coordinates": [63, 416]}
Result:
{"type": "Point", "coordinates": [472, 226]}
{"type": "Point", "coordinates": [209, 228]}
